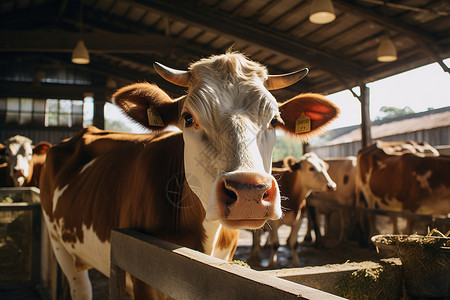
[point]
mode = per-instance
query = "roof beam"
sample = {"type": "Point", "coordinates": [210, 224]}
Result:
{"type": "Point", "coordinates": [423, 39]}
{"type": "Point", "coordinates": [221, 23]}
{"type": "Point", "coordinates": [63, 41]}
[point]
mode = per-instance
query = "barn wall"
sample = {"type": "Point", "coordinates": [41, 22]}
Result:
{"type": "Point", "coordinates": [53, 135]}
{"type": "Point", "coordinates": [435, 137]}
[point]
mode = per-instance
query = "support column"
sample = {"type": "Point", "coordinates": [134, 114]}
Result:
{"type": "Point", "coordinates": [99, 116]}
{"type": "Point", "coordinates": [366, 124]}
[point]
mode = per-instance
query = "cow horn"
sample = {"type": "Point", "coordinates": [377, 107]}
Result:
{"type": "Point", "coordinates": [275, 82]}
{"type": "Point", "coordinates": [174, 76]}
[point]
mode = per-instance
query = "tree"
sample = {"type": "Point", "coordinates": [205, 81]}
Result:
{"type": "Point", "coordinates": [394, 112]}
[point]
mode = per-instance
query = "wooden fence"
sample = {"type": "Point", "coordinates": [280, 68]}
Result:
{"type": "Point", "coordinates": [184, 273]}
{"type": "Point", "coordinates": [433, 221]}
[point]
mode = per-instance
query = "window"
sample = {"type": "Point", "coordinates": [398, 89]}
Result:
{"type": "Point", "coordinates": [64, 113]}
{"type": "Point", "coordinates": [42, 112]}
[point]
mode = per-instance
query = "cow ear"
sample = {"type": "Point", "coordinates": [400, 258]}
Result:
{"type": "Point", "coordinates": [41, 148]}
{"type": "Point", "coordinates": [291, 163]}
{"type": "Point", "coordinates": [148, 105]}
{"type": "Point", "coordinates": [306, 115]}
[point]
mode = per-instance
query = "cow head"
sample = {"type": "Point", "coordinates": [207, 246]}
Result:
{"type": "Point", "coordinates": [228, 119]}
{"type": "Point", "coordinates": [18, 153]}
{"type": "Point", "coordinates": [313, 173]}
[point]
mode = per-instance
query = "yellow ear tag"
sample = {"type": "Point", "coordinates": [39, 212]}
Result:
{"type": "Point", "coordinates": [303, 124]}
{"type": "Point", "coordinates": [154, 118]}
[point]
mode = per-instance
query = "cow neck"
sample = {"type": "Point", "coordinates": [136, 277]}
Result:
{"type": "Point", "coordinates": [170, 208]}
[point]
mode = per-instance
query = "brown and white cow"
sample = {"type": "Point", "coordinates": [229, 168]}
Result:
{"type": "Point", "coordinates": [296, 181]}
{"type": "Point", "coordinates": [342, 171]}
{"type": "Point", "coordinates": [179, 186]}
{"type": "Point", "coordinates": [23, 162]}
{"type": "Point", "coordinates": [414, 181]}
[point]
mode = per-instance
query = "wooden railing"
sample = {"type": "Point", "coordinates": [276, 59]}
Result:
{"type": "Point", "coordinates": [184, 273]}
{"type": "Point", "coordinates": [433, 220]}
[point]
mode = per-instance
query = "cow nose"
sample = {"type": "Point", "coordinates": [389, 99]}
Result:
{"type": "Point", "coordinates": [331, 187]}
{"type": "Point", "coordinates": [248, 199]}
{"type": "Point", "coordinates": [251, 192]}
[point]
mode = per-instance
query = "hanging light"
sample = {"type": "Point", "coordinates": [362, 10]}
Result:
{"type": "Point", "coordinates": [80, 54]}
{"type": "Point", "coordinates": [321, 12]}
{"type": "Point", "coordinates": [387, 51]}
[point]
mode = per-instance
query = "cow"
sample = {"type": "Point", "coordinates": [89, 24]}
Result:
{"type": "Point", "coordinates": [23, 162]}
{"type": "Point", "coordinates": [412, 180]}
{"type": "Point", "coordinates": [342, 170]}
{"type": "Point", "coordinates": [401, 147]}
{"type": "Point", "coordinates": [296, 181]}
{"type": "Point", "coordinates": [186, 186]}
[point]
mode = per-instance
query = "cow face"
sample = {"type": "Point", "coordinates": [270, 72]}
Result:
{"type": "Point", "coordinates": [228, 119]}
{"type": "Point", "coordinates": [314, 174]}
{"type": "Point", "coordinates": [18, 154]}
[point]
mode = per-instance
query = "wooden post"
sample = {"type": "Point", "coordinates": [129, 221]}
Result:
{"type": "Point", "coordinates": [366, 124]}
{"type": "Point", "coordinates": [117, 283]}
{"type": "Point", "coordinates": [99, 116]}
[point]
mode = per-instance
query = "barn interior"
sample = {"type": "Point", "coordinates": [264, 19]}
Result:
{"type": "Point", "coordinates": [124, 38]}
{"type": "Point", "coordinates": [43, 93]}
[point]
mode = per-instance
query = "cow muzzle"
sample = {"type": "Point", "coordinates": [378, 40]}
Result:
{"type": "Point", "coordinates": [247, 199]}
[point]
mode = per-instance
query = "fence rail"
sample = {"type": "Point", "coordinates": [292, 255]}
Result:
{"type": "Point", "coordinates": [183, 273]}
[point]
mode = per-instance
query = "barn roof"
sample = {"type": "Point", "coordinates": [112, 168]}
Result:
{"type": "Point", "coordinates": [409, 123]}
{"type": "Point", "coordinates": [125, 37]}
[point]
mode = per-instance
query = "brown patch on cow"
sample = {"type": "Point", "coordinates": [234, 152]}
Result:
{"type": "Point", "coordinates": [128, 193]}
{"type": "Point", "coordinates": [346, 179]}
{"type": "Point", "coordinates": [80, 264]}
{"type": "Point", "coordinates": [70, 238]}
{"type": "Point", "coordinates": [226, 238]}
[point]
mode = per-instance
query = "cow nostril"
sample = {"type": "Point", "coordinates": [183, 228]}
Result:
{"type": "Point", "coordinates": [231, 195]}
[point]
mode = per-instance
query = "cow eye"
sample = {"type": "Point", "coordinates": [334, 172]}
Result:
{"type": "Point", "coordinates": [188, 120]}
{"type": "Point", "coordinates": [274, 122]}
{"type": "Point", "coordinates": [312, 169]}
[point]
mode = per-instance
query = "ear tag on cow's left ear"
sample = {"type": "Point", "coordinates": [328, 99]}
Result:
{"type": "Point", "coordinates": [154, 118]}
{"type": "Point", "coordinates": [303, 124]}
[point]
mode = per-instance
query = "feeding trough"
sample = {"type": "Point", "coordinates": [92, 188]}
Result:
{"type": "Point", "coordinates": [425, 260]}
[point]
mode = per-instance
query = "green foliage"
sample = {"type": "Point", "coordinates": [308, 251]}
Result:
{"type": "Point", "coordinates": [286, 146]}
{"type": "Point", "coordinates": [391, 112]}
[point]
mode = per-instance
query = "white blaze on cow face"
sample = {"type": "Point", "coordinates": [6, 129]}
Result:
{"type": "Point", "coordinates": [229, 139]}
{"type": "Point", "coordinates": [18, 156]}
{"type": "Point", "coordinates": [314, 172]}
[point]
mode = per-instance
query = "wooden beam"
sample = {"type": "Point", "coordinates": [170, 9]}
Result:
{"type": "Point", "coordinates": [366, 124]}
{"type": "Point", "coordinates": [183, 273]}
{"type": "Point", "coordinates": [58, 91]}
{"type": "Point", "coordinates": [421, 38]}
{"type": "Point", "coordinates": [221, 23]}
{"type": "Point", "coordinates": [65, 42]}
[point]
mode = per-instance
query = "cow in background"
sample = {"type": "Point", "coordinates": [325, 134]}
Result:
{"type": "Point", "coordinates": [297, 180]}
{"type": "Point", "coordinates": [342, 170]}
{"type": "Point", "coordinates": [23, 162]}
{"type": "Point", "coordinates": [182, 187]}
{"type": "Point", "coordinates": [403, 176]}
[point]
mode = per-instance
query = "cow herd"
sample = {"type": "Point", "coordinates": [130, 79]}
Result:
{"type": "Point", "coordinates": [198, 186]}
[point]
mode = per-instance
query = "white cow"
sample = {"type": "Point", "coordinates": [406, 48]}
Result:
{"type": "Point", "coordinates": [297, 180]}
{"type": "Point", "coordinates": [183, 187]}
